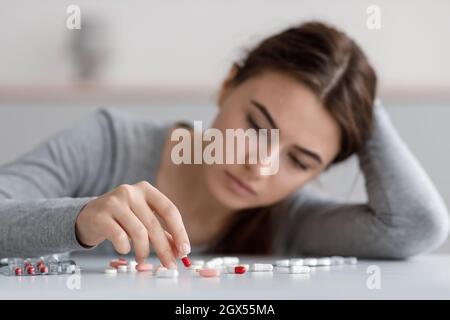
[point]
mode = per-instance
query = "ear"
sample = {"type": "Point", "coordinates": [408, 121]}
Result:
{"type": "Point", "coordinates": [226, 84]}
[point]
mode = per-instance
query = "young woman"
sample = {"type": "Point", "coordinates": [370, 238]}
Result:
{"type": "Point", "coordinates": [111, 177]}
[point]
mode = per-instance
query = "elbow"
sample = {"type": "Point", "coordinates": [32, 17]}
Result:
{"type": "Point", "coordinates": [423, 234]}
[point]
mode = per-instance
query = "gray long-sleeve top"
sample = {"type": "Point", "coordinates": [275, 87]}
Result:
{"type": "Point", "coordinates": [43, 191]}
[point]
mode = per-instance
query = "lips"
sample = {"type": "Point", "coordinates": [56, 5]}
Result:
{"type": "Point", "coordinates": [242, 185]}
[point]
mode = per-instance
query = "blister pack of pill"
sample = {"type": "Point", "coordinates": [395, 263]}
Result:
{"type": "Point", "coordinates": [51, 265]}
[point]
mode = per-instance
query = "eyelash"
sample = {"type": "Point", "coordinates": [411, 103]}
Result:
{"type": "Point", "coordinates": [297, 163]}
{"type": "Point", "coordinates": [252, 122]}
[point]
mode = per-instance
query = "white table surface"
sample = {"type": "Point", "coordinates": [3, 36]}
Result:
{"type": "Point", "coordinates": [423, 277]}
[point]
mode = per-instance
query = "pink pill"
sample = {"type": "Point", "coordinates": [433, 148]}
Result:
{"type": "Point", "coordinates": [123, 259]}
{"type": "Point", "coordinates": [209, 272]}
{"type": "Point", "coordinates": [144, 267]}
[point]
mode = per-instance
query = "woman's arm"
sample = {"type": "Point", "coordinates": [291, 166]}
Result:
{"type": "Point", "coordinates": [404, 216]}
{"type": "Point", "coordinates": [42, 192]}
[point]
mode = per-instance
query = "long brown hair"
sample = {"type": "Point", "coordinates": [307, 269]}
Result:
{"type": "Point", "coordinates": [335, 68]}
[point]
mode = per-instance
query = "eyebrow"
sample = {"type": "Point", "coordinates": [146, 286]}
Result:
{"type": "Point", "coordinates": [269, 118]}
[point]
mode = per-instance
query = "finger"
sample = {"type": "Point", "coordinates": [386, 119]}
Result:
{"type": "Point", "coordinates": [114, 233]}
{"type": "Point", "coordinates": [165, 209]}
{"type": "Point", "coordinates": [137, 231]}
{"type": "Point", "coordinates": [155, 232]}
{"type": "Point", "coordinates": [161, 244]}
{"type": "Point", "coordinates": [172, 243]}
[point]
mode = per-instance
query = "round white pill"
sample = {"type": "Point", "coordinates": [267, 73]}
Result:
{"type": "Point", "coordinates": [281, 270]}
{"type": "Point", "coordinates": [296, 262]}
{"type": "Point", "coordinates": [310, 262]}
{"type": "Point", "coordinates": [160, 268]}
{"type": "Point", "coordinates": [168, 273]}
{"type": "Point", "coordinates": [198, 262]}
{"type": "Point", "coordinates": [337, 260]}
{"type": "Point", "coordinates": [110, 271]}
{"type": "Point", "coordinates": [350, 260]}
{"type": "Point", "coordinates": [132, 266]}
{"type": "Point", "coordinates": [257, 267]}
{"type": "Point", "coordinates": [70, 269]}
{"type": "Point", "coordinates": [122, 269]}
{"type": "Point", "coordinates": [324, 262]}
{"type": "Point", "coordinates": [214, 262]}
{"type": "Point", "coordinates": [299, 269]}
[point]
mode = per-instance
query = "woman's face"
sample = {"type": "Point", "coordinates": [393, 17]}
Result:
{"type": "Point", "coordinates": [309, 139]}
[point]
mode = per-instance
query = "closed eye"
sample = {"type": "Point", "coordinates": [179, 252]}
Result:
{"type": "Point", "coordinates": [296, 162]}
{"type": "Point", "coordinates": [252, 122]}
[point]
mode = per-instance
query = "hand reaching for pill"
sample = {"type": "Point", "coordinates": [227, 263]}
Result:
{"type": "Point", "coordinates": [128, 216]}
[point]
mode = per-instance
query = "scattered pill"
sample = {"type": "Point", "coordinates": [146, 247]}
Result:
{"type": "Point", "coordinates": [324, 262]}
{"type": "Point", "coordinates": [195, 267]}
{"type": "Point", "coordinates": [186, 261]}
{"type": "Point", "coordinates": [350, 260]}
{"type": "Point", "coordinates": [70, 268]}
{"type": "Point", "coordinates": [159, 268]}
{"type": "Point", "coordinates": [209, 272]}
{"type": "Point", "coordinates": [296, 262]}
{"type": "Point", "coordinates": [132, 266]}
{"type": "Point", "coordinates": [111, 270]}
{"type": "Point", "coordinates": [337, 260]}
{"type": "Point", "coordinates": [257, 267]}
{"type": "Point", "coordinates": [281, 270]}
{"type": "Point", "coordinates": [141, 267]}
{"type": "Point", "coordinates": [214, 262]}
{"type": "Point", "coordinates": [122, 269]}
{"type": "Point", "coordinates": [239, 269]}
{"type": "Point", "coordinates": [198, 262]}
{"type": "Point", "coordinates": [231, 268]}
{"type": "Point", "coordinates": [312, 262]}
{"type": "Point", "coordinates": [282, 263]}
{"type": "Point", "coordinates": [299, 269]}
{"type": "Point", "coordinates": [167, 273]}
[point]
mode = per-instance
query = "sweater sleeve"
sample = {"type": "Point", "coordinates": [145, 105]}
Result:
{"type": "Point", "coordinates": [42, 192]}
{"type": "Point", "coordinates": [404, 215]}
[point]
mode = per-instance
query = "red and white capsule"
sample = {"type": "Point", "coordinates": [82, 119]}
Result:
{"type": "Point", "coordinates": [240, 269]}
{"type": "Point", "coordinates": [186, 261]}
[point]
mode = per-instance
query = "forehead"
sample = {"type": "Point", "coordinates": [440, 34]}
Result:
{"type": "Point", "coordinates": [297, 111]}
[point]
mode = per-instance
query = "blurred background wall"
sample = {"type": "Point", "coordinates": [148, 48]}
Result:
{"type": "Point", "coordinates": [164, 60]}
